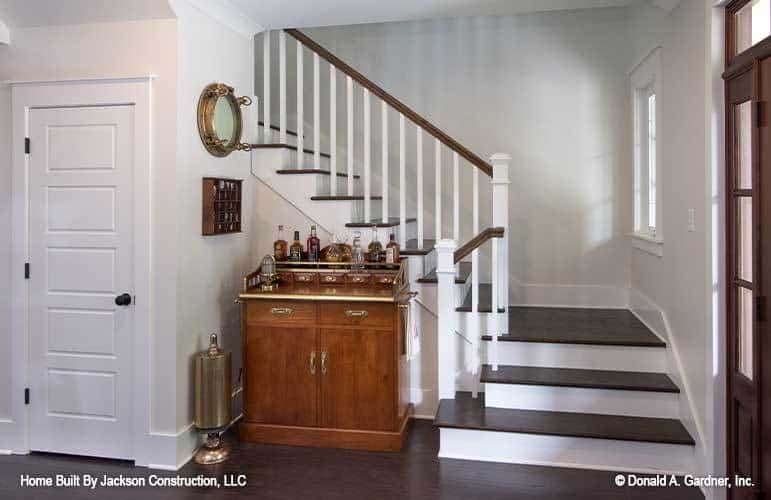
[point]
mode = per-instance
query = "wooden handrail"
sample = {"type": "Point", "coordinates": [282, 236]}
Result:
{"type": "Point", "coordinates": [477, 241]}
{"type": "Point", "coordinates": [395, 103]}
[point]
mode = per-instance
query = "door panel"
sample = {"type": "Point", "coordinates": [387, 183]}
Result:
{"type": "Point", "coordinates": [357, 379]}
{"type": "Point", "coordinates": [81, 256]}
{"type": "Point", "coordinates": [279, 375]}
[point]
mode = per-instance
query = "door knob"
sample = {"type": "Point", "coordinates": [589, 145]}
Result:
{"type": "Point", "coordinates": [123, 299]}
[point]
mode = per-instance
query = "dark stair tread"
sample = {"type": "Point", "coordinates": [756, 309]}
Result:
{"type": "Point", "coordinates": [464, 271]}
{"type": "Point", "coordinates": [485, 300]}
{"type": "Point", "coordinates": [278, 128]}
{"type": "Point", "coordinates": [378, 221]}
{"type": "Point", "coordinates": [570, 377]}
{"type": "Point", "coordinates": [329, 197]}
{"type": "Point", "coordinates": [411, 248]}
{"type": "Point", "coordinates": [287, 146]}
{"type": "Point", "coordinates": [317, 171]}
{"type": "Point", "coordinates": [465, 412]}
{"type": "Point", "coordinates": [566, 325]}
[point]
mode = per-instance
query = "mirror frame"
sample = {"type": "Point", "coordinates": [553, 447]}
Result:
{"type": "Point", "coordinates": [206, 128]}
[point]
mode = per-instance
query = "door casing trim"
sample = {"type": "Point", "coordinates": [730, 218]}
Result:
{"type": "Point", "coordinates": [135, 91]}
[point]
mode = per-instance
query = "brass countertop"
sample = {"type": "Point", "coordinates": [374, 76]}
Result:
{"type": "Point", "coordinates": [322, 293]}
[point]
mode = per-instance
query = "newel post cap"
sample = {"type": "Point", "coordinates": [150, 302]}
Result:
{"type": "Point", "coordinates": [445, 256]}
{"type": "Point", "coordinates": [500, 158]}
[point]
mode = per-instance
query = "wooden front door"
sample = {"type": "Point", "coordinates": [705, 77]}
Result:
{"type": "Point", "coordinates": [748, 251]}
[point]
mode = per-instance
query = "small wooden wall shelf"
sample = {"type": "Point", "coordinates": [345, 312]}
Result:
{"type": "Point", "coordinates": [221, 206]}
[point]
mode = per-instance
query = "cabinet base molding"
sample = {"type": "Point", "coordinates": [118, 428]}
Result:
{"type": "Point", "coordinates": [327, 438]}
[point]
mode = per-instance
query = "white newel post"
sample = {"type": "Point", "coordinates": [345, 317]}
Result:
{"type": "Point", "coordinates": [446, 318]}
{"type": "Point", "coordinates": [500, 185]}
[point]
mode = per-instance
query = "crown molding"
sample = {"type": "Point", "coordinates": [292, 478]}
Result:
{"type": "Point", "coordinates": [225, 12]}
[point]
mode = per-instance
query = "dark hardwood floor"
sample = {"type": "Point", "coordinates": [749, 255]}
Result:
{"type": "Point", "coordinates": [284, 472]}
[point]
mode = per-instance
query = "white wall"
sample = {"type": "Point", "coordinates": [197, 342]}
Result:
{"type": "Point", "coordinates": [551, 90]}
{"type": "Point", "coordinates": [209, 269]}
{"type": "Point", "coordinates": [678, 287]}
{"type": "Point", "coordinates": [100, 50]}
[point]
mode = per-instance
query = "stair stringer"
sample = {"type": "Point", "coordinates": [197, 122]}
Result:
{"type": "Point", "coordinates": [297, 190]}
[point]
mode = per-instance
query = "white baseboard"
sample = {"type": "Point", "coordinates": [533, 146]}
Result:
{"type": "Point", "coordinates": [588, 296]}
{"type": "Point", "coordinates": [654, 317]}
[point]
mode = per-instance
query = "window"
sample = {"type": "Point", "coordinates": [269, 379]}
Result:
{"type": "Point", "coordinates": [652, 162]}
{"type": "Point", "coordinates": [646, 102]}
{"type": "Point", "coordinates": [752, 23]}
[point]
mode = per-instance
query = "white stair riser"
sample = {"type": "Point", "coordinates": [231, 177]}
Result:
{"type": "Point", "coordinates": [582, 400]}
{"type": "Point", "coordinates": [590, 357]}
{"type": "Point", "coordinates": [563, 451]}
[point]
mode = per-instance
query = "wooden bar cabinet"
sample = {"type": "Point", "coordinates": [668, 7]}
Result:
{"type": "Point", "coordinates": [322, 354]}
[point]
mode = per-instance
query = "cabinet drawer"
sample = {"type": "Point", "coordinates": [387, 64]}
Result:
{"type": "Point", "coordinates": [306, 278]}
{"type": "Point", "coordinates": [331, 278]}
{"type": "Point", "coordinates": [357, 279]}
{"type": "Point", "coordinates": [383, 279]}
{"type": "Point", "coordinates": [356, 314]}
{"type": "Point", "coordinates": [285, 312]}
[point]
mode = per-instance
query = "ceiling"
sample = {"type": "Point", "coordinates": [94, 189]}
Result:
{"type": "Point", "coordinates": [285, 13]}
{"type": "Point", "coordinates": [30, 13]}
{"type": "Point", "coordinates": [306, 13]}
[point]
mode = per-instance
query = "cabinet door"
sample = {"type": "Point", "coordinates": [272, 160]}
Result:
{"type": "Point", "coordinates": [357, 378]}
{"type": "Point", "coordinates": [279, 384]}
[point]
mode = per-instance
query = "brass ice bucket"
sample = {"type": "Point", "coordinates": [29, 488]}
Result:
{"type": "Point", "coordinates": [213, 411]}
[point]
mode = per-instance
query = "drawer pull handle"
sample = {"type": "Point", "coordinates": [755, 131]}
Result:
{"type": "Point", "coordinates": [356, 314]}
{"type": "Point", "coordinates": [386, 280]}
{"type": "Point", "coordinates": [312, 367]}
{"type": "Point", "coordinates": [281, 311]}
{"type": "Point", "coordinates": [330, 278]}
{"type": "Point", "coordinates": [303, 277]}
{"type": "Point", "coordinates": [358, 279]}
{"type": "Point", "coordinates": [324, 360]}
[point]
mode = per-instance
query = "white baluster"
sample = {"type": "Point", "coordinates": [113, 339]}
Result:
{"type": "Point", "coordinates": [349, 145]}
{"type": "Point", "coordinates": [419, 141]}
{"type": "Point", "coordinates": [402, 185]}
{"type": "Point", "coordinates": [316, 114]}
{"type": "Point", "coordinates": [384, 158]}
{"type": "Point", "coordinates": [455, 198]}
{"type": "Point", "coordinates": [300, 117]}
{"type": "Point", "coordinates": [500, 184]}
{"type": "Point", "coordinates": [494, 299]}
{"type": "Point", "coordinates": [266, 84]}
{"type": "Point", "coordinates": [475, 252]}
{"type": "Point", "coordinates": [438, 189]}
{"type": "Point", "coordinates": [446, 319]}
{"type": "Point", "coordinates": [333, 130]}
{"type": "Point", "coordinates": [282, 86]}
{"type": "Point", "coordinates": [367, 157]}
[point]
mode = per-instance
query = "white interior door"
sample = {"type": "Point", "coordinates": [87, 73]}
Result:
{"type": "Point", "coordinates": [81, 259]}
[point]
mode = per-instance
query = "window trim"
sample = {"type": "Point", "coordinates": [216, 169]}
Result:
{"type": "Point", "coordinates": [645, 80]}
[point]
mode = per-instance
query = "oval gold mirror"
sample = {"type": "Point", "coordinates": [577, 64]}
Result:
{"type": "Point", "coordinates": [219, 119]}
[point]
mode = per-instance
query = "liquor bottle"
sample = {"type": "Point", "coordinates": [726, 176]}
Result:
{"type": "Point", "coordinates": [296, 250]}
{"type": "Point", "coordinates": [280, 245]}
{"type": "Point", "coordinates": [392, 251]}
{"type": "Point", "coordinates": [357, 256]}
{"type": "Point", "coordinates": [375, 249]}
{"type": "Point", "coordinates": [313, 245]}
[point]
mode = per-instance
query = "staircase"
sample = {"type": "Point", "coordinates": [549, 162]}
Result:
{"type": "Point", "coordinates": [580, 388]}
